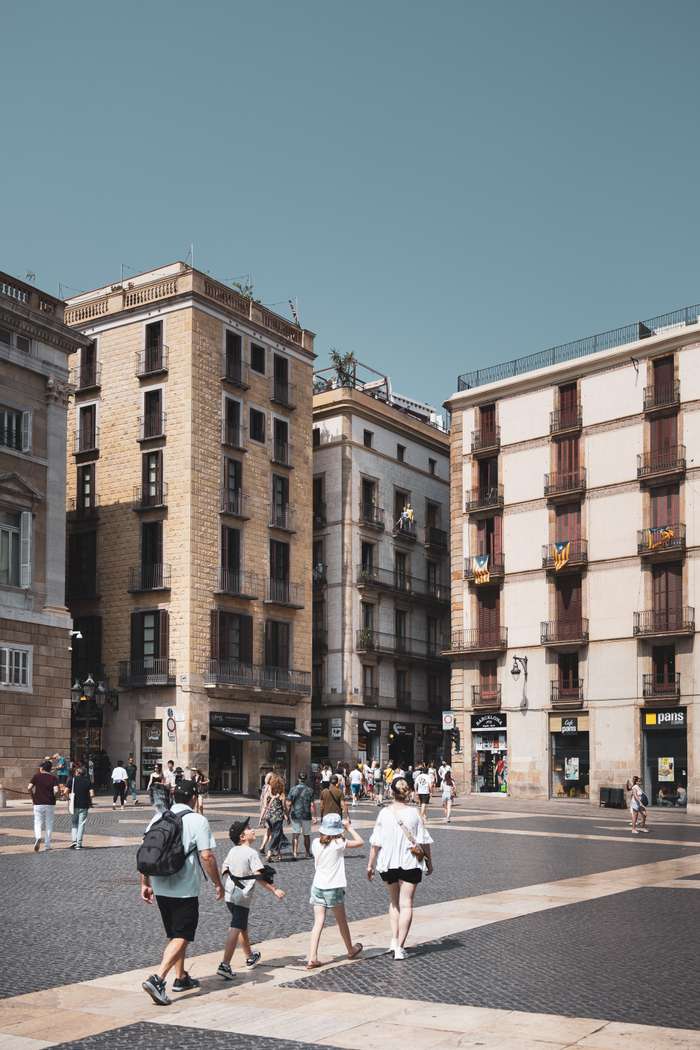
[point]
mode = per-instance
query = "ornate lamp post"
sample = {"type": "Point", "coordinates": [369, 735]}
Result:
{"type": "Point", "coordinates": [89, 699]}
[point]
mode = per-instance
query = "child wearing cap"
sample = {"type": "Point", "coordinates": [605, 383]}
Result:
{"type": "Point", "coordinates": [328, 887]}
{"type": "Point", "coordinates": [243, 866]}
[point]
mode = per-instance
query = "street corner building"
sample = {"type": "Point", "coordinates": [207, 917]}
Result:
{"type": "Point", "coordinates": [380, 571]}
{"type": "Point", "coordinates": [190, 527]}
{"type": "Point", "coordinates": [575, 553]}
{"type": "Point", "coordinates": [35, 705]}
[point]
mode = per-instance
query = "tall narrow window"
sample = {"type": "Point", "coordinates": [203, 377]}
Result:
{"type": "Point", "coordinates": [232, 423]}
{"type": "Point", "coordinates": [153, 354]}
{"type": "Point", "coordinates": [281, 390]}
{"type": "Point", "coordinates": [487, 424]}
{"type": "Point", "coordinates": [567, 456]}
{"type": "Point", "coordinates": [569, 607]}
{"type": "Point", "coordinates": [664, 506]}
{"type": "Point", "coordinates": [257, 425]}
{"type": "Point", "coordinates": [87, 428]}
{"type": "Point", "coordinates": [152, 555]}
{"type": "Point", "coordinates": [319, 505]}
{"type": "Point", "coordinates": [233, 485]}
{"type": "Point", "coordinates": [86, 487]}
{"type": "Point", "coordinates": [279, 571]}
{"type": "Point", "coordinates": [9, 549]}
{"type": "Point", "coordinates": [257, 358]}
{"type": "Point", "coordinates": [568, 406]}
{"type": "Point", "coordinates": [401, 575]}
{"type": "Point", "coordinates": [567, 667]}
{"type": "Point", "coordinates": [277, 644]}
{"type": "Point", "coordinates": [667, 591]}
{"type": "Point", "coordinates": [488, 681]}
{"type": "Point", "coordinates": [280, 502]}
{"type": "Point", "coordinates": [367, 438]}
{"type": "Point", "coordinates": [488, 477]}
{"type": "Point", "coordinates": [15, 429]}
{"type": "Point", "coordinates": [400, 629]}
{"type": "Point", "coordinates": [88, 366]}
{"type": "Point", "coordinates": [280, 441]}
{"type": "Point", "coordinates": [152, 413]}
{"type": "Point", "coordinates": [488, 616]}
{"type": "Point", "coordinates": [234, 358]}
{"type": "Point", "coordinates": [152, 478]}
{"type": "Point", "coordinates": [663, 661]}
{"type": "Point", "coordinates": [663, 380]}
{"type": "Point", "coordinates": [367, 556]}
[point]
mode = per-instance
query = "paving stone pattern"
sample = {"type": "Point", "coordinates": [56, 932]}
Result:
{"type": "Point", "coordinates": [631, 957]}
{"type": "Point", "coordinates": [603, 827]}
{"type": "Point", "coordinates": [145, 1036]}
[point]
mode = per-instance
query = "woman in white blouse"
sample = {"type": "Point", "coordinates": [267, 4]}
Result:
{"type": "Point", "coordinates": [397, 834]}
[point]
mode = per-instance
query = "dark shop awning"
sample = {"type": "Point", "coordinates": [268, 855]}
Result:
{"type": "Point", "coordinates": [233, 733]}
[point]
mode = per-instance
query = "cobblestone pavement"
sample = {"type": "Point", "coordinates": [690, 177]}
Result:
{"type": "Point", "coordinates": [147, 1036]}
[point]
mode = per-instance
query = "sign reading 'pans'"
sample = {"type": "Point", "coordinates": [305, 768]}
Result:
{"type": "Point", "coordinates": [673, 718]}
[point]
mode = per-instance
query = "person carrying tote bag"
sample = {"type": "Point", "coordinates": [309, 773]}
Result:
{"type": "Point", "coordinates": [79, 803]}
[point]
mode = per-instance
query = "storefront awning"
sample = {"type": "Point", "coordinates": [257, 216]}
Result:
{"type": "Point", "coordinates": [233, 733]}
{"type": "Point", "coordinates": [290, 735]}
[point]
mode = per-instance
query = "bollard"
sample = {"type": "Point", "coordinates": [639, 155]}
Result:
{"type": "Point", "coordinates": [3, 797]}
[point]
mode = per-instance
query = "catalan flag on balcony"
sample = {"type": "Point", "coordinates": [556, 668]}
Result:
{"type": "Point", "coordinates": [658, 536]}
{"type": "Point", "coordinates": [561, 554]}
{"type": "Point", "coordinates": [480, 565]}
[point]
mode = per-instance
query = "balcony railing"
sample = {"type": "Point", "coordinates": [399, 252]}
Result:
{"type": "Point", "coordinates": [319, 513]}
{"type": "Point", "coordinates": [152, 671]}
{"type": "Point", "coordinates": [149, 496]}
{"type": "Point", "coordinates": [486, 696]}
{"type": "Point", "coordinates": [487, 439]}
{"type": "Point", "coordinates": [234, 502]}
{"type": "Point", "coordinates": [496, 568]}
{"type": "Point", "coordinates": [87, 377]}
{"type": "Point", "coordinates": [282, 592]}
{"type": "Point", "coordinates": [661, 462]}
{"type": "Point", "coordinates": [553, 632]}
{"type": "Point", "coordinates": [282, 393]}
{"type": "Point", "coordinates": [478, 640]}
{"type": "Point", "coordinates": [403, 583]}
{"type": "Point", "coordinates": [84, 507]}
{"type": "Point", "coordinates": [565, 483]}
{"type": "Point", "coordinates": [233, 435]}
{"type": "Point", "coordinates": [368, 640]}
{"type": "Point", "coordinates": [405, 529]}
{"type": "Point", "coordinates": [149, 578]}
{"type": "Point", "coordinates": [236, 373]}
{"type": "Point", "coordinates": [151, 361]}
{"type": "Point", "coordinates": [563, 420]}
{"type": "Point", "coordinates": [371, 514]}
{"type": "Point", "coordinates": [656, 687]}
{"type": "Point", "coordinates": [370, 696]}
{"type": "Point", "coordinates": [484, 499]}
{"type": "Point", "coordinates": [566, 697]}
{"type": "Point", "coordinates": [281, 453]}
{"type": "Point", "coordinates": [282, 518]}
{"type": "Point", "coordinates": [659, 539]}
{"type": "Point", "coordinates": [238, 583]}
{"type": "Point", "coordinates": [152, 425]}
{"type": "Point", "coordinates": [256, 676]}
{"type": "Point", "coordinates": [667, 395]}
{"type": "Point", "coordinates": [87, 440]}
{"type": "Point", "coordinates": [664, 621]}
{"type": "Point", "coordinates": [557, 560]}
{"type": "Point", "coordinates": [436, 538]}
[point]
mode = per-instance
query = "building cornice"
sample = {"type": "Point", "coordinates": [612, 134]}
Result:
{"type": "Point", "coordinates": [39, 327]}
{"type": "Point", "coordinates": [350, 402]}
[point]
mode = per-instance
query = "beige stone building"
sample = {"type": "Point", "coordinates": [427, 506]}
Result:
{"type": "Point", "coordinates": [35, 706]}
{"type": "Point", "coordinates": [190, 524]}
{"type": "Point", "coordinates": [575, 554]}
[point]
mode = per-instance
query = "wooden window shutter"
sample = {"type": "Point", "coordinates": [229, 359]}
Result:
{"type": "Point", "coordinates": [136, 637]}
{"type": "Point", "coordinates": [25, 549]}
{"type": "Point", "coordinates": [269, 644]}
{"type": "Point", "coordinates": [246, 636]}
{"type": "Point", "coordinates": [163, 634]}
{"type": "Point", "coordinates": [215, 634]}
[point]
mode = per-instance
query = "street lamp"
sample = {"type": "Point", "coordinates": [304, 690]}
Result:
{"type": "Point", "coordinates": [518, 662]}
{"type": "Point", "coordinates": [88, 700]}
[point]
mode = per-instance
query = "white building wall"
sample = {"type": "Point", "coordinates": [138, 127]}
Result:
{"type": "Point", "coordinates": [523, 472]}
{"type": "Point", "coordinates": [525, 416]}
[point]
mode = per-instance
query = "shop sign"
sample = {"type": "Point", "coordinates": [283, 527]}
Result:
{"type": "Point", "coordinates": [224, 718]}
{"type": "Point", "coordinates": [154, 733]}
{"type": "Point", "coordinates": [569, 726]}
{"type": "Point", "coordinates": [448, 721]}
{"type": "Point", "coordinates": [489, 721]}
{"type": "Point", "coordinates": [369, 727]}
{"type": "Point", "coordinates": [673, 718]}
{"type": "Point", "coordinates": [336, 729]}
{"type": "Point", "coordinates": [402, 728]}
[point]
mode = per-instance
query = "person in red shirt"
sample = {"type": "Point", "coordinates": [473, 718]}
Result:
{"type": "Point", "coordinates": [43, 788]}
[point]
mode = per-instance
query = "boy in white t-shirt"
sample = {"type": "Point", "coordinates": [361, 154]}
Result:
{"type": "Point", "coordinates": [356, 778]}
{"type": "Point", "coordinates": [242, 868]}
{"type": "Point", "coordinates": [328, 887]}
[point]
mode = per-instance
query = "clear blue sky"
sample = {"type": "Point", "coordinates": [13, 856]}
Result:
{"type": "Point", "coordinates": [442, 186]}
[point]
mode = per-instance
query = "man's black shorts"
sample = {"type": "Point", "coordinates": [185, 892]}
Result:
{"type": "Point", "coordinates": [413, 875]}
{"type": "Point", "coordinates": [180, 916]}
{"type": "Point", "coordinates": [424, 800]}
{"type": "Point", "coordinates": [239, 916]}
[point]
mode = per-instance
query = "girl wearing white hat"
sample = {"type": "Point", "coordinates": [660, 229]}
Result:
{"type": "Point", "coordinates": [328, 887]}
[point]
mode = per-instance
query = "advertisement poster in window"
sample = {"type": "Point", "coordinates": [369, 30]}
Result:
{"type": "Point", "coordinates": [571, 768]}
{"type": "Point", "coordinates": [666, 773]}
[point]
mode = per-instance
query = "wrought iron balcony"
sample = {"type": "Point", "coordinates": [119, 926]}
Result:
{"type": "Point", "coordinates": [474, 641]}
{"type": "Point", "coordinates": [87, 439]}
{"type": "Point", "coordinates": [372, 515]}
{"type": "Point", "coordinates": [436, 539]}
{"type": "Point", "coordinates": [233, 435]}
{"type": "Point", "coordinates": [234, 502]}
{"type": "Point", "coordinates": [152, 426]}
{"type": "Point", "coordinates": [486, 696]}
{"type": "Point", "coordinates": [659, 541]}
{"type": "Point", "coordinates": [404, 529]}
{"type": "Point", "coordinates": [663, 622]}
{"type": "Point", "coordinates": [282, 592]}
{"type": "Point", "coordinates": [238, 584]}
{"type": "Point", "coordinates": [147, 497]}
{"type": "Point", "coordinates": [149, 578]}
{"type": "Point", "coordinates": [282, 393]}
{"type": "Point", "coordinates": [257, 677]}
{"type": "Point", "coordinates": [236, 374]}
{"type": "Point", "coordinates": [657, 398]}
{"type": "Point", "coordinates": [661, 464]}
{"type": "Point", "coordinates": [565, 484]}
{"type": "Point", "coordinates": [566, 697]}
{"type": "Point", "coordinates": [282, 518]}
{"type": "Point", "coordinates": [319, 513]}
{"type": "Point", "coordinates": [84, 506]}
{"type": "Point", "coordinates": [484, 499]}
{"type": "Point", "coordinates": [151, 671]}
{"type": "Point", "coordinates": [564, 632]}
{"type": "Point", "coordinates": [566, 420]}
{"type": "Point", "coordinates": [151, 361]}
{"type": "Point", "coordinates": [486, 441]}
{"type": "Point", "coordinates": [370, 641]}
{"type": "Point", "coordinates": [88, 377]}
{"type": "Point", "coordinates": [496, 569]}
{"type": "Point", "coordinates": [402, 583]}
{"type": "Point", "coordinates": [577, 557]}
{"type": "Point", "coordinates": [370, 696]}
{"type": "Point", "coordinates": [661, 687]}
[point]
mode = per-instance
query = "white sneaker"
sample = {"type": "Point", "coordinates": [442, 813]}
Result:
{"type": "Point", "coordinates": [399, 953]}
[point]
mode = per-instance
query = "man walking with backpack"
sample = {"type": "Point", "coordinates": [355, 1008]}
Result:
{"type": "Point", "coordinates": [177, 846]}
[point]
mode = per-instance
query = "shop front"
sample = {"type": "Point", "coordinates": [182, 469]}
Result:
{"type": "Point", "coordinates": [490, 754]}
{"type": "Point", "coordinates": [433, 744]}
{"type": "Point", "coordinates": [369, 740]}
{"type": "Point", "coordinates": [665, 750]}
{"type": "Point", "coordinates": [281, 735]}
{"type": "Point", "coordinates": [570, 756]}
{"type": "Point", "coordinates": [319, 741]}
{"type": "Point", "coordinates": [228, 732]}
{"type": "Point", "coordinates": [402, 744]}
{"type": "Point", "coordinates": [151, 748]}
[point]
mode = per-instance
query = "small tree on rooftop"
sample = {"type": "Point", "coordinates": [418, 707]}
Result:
{"type": "Point", "coordinates": [345, 366]}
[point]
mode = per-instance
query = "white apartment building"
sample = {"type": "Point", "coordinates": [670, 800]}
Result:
{"type": "Point", "coordinates": [575, 555]}
{"type": "Point", "coordinates": [381, 572]}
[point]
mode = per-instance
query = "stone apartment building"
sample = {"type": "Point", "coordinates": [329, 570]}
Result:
{"type": "Point", "coordinates": [190, 524]}
{"type": "Point", "coordinates": [575, 555]}
{"type": "Point", "coordinates": [35, 705]}
{"type": "Point", "coordinates": [381, 571]}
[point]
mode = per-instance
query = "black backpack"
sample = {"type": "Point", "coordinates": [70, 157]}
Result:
{"type": "Point", "coordinates": [162, 851]}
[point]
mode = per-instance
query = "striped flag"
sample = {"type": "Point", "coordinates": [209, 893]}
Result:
{"type": "Point", "coordinates": [658, 536]}
{"type": "Point", "coordinates": [561, 554]}
{"type": "Point", "coordinates": [480, 564]}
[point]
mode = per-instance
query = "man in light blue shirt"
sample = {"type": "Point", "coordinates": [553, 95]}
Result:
{"type": "Point", "coordinates": [177, 896]}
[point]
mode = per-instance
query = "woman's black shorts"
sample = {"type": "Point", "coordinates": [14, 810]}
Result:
{"type": "Point", "coordinates": [393, 875]}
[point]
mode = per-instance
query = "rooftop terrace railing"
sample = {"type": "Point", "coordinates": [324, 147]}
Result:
{"type": "Point", "coordinates": [591, 344]}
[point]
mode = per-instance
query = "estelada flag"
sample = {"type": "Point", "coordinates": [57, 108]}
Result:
{"type": "Point", "coordinates": [658, 536]}
{"type": "Point", "coordinates": [561, 554]}
{"type": "Point", "coordinates": [481, 568]}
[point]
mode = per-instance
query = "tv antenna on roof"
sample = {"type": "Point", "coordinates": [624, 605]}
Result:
{"type": "Point", "coordinates": [30, 276]}
{"type": "Point", "coordinates": [294, 307]}
{"type": "Point", "coordinates": [189, 258]}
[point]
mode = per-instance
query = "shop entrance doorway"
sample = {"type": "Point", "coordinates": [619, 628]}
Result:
{"type": "Point", "coordinates": [665, 746]}
{"type": "Point", "coordinates": [401, 746]}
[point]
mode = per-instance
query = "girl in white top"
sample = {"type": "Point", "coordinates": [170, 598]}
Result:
{"type": "Point", "coordinates": [448, 794]}
{"type": "Point", "coordinates": [398, 833]}
{"type": "Point", "coordinates": [328, 887]}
